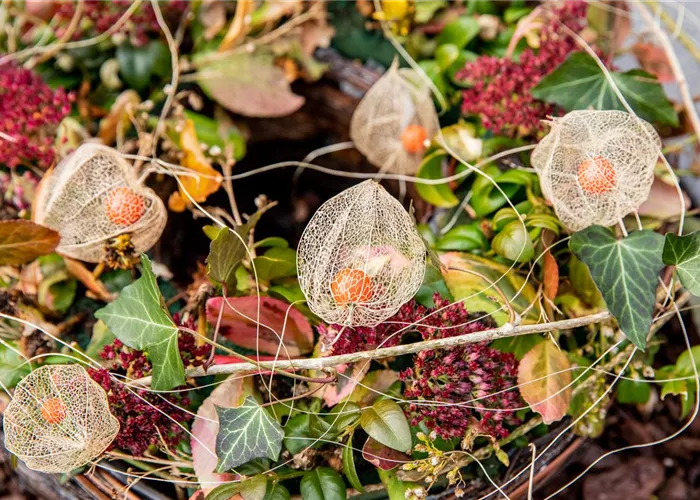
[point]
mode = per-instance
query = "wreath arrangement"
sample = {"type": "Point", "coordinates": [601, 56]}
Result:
{"type": "Point", "coordinates": [496, 262]}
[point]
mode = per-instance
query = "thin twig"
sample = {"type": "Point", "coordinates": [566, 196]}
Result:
{"type": "Point", "coordinates": [387, 352]}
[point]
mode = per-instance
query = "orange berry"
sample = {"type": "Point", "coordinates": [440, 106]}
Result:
{"type": "Point", "coordinates": [413, 139]}
{"type": "Point", "coordinates": [596, 175]}
{"type": "Point", "coordinates": [351, 286]}
{"type": "Point", "coordinates": [53, 410]}
{"type": "Point", "coordinates": [124, 206]}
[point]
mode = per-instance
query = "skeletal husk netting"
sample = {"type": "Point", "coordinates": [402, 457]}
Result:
{"type": "Point", "coordinates": [73, 200]}
{"type": "Point", "coordinates": [399, 99]}
{"type": "Point", "coordinates": [59, 419]}
{"type": "Point", "coordinates": [596, 166]}
{"type": "Point", "coordinates": [364, 242]}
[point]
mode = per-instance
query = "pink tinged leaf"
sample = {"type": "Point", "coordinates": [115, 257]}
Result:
{"type": "Point", "coordinates": [206, 426]}
{"type": "Point", "coordinates": [543, 381]}
{"type": "Point", "coordinates": [348, 378]}
{"type": "Point", "coordinates": [250, 85]}
{"type": "Point", "coordinates": [663, 201]}
{"type": "Point", "coordinates": [373, 385]}
{"type": "Point", "coordinates": [382, 456]}
{"type": "Point", "coordinates": [238, 324]}
{"type": "Point", "coordinates": [653, 59]}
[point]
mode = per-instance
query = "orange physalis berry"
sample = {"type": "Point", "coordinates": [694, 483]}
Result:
{"type": "Point", "coordinates": [124, 206]}
{"type": "Point", "coordinates": [351, 286]}
{"type": "Point", "coordinates": [596, 175]}
{"type": "Point", "coordinates": [413, 139]}
{"type": "Point", "coordinates": [53, 410]}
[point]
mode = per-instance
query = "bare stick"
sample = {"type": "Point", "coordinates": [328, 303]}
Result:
{"type": "Point", "coordinates": [387, 352]}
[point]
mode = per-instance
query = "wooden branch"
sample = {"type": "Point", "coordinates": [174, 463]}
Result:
{"type": "Point", "coordinates": [387, 352]}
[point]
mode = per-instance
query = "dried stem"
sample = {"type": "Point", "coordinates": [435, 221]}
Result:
{"type": "Point", "coordinates": [387, 352]}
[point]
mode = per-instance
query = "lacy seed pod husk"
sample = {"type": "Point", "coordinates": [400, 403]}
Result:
{"type": "Point", "coordinates": [59, 419]}
{"type": "Point", "coordinates": [596, 166]}
{"type": "Point", "coordinates": [394, 120]}
{"type": "Point", "coordinates": [92, 196]}
{"type": "Point", "coordinates": [360, 257]}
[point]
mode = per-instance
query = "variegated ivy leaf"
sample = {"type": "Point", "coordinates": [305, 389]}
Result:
{"type": "Point", "coordinates": [245, 433]}
{"type": "Point", "coordinates": [140, 319]}
{"type": "Point", "coordinates": [684, 253]}
{"type": "Point", "coordinates": [626, 272]}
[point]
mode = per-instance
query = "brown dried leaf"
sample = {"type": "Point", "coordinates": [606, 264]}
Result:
{"type": "Point", "coordinates": [551, 276]}
{"type": "Point", "coordinates": [117, 122]}
{"type": "Point", "coordinates": [22, 241]}
{"type": "Point", "coordinates": [543, 383]}
{"type": "Point", "coordinates": [83, 274]}
{"type": "Point", "coordinates": [654, 60]}
{"type": "Point", "coordinates": [382, 456]}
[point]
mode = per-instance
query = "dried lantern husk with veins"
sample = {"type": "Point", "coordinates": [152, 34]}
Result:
{"type": "Point", "coordinates": [92, 196]}
{"type": "Point", "coordinates": [596, 166]}
{"type": "Point", "coordinates": [59, 419]}
{"type": "Point", "coordinates": [394, 121]}
{"type": "Point", "coordinates": [360, 257]}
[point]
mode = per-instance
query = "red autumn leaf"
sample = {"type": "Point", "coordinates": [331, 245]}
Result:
{"type": "Point", "coordinates": [349, 376]}
{"type": "Point", "coordinates": [653, 59]}
{"type": "Point", "coordinates": [543, 381]}
{"type": "Point", "coordinates": [382, 456]}
{"type": "Point", "coordinates": [22, 241]}
{"type": "Point", "coordinates": [551, 276]}
{"type": "Point", "coordinates": [238, 324]}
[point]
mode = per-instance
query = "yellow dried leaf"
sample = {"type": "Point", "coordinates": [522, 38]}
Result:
{"type": "Point", "coordinates": [118, 122]}
{"type": "Point", "coordinates": [207, 180]}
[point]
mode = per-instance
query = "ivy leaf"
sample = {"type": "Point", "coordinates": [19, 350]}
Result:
{"type": "Point", "coordinates": [385, 422]}
{"type": "Point", "coordinates": [22, 241]}
{"type": "Point", "coordinates": [322, 483]}
{"type": "Point", "coordinates": [578, 83]}
{"type": "Point", "coordinates": [254, 488]}
{"type": "Point", "coordinates": [245, 433]}
{"type": "Point", "coordinates": [626, 272]}
{"type": "Point", "coordinates": [543, 383]}
{"type": "Point", "coordinates": [684, 253]}
{"type": "Point", "coordinates": [140, 319]}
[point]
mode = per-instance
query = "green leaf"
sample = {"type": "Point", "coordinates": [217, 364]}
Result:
{"type": "Point", "coordinates": [303, 430]}
{"type": "Point", "coordinates": [487, 199]}
{"type": "Point", "coordinates": [254, 488]}
{"type": "Point", "coordinates": [245, 433]}
{"type": "Point", "coordinates": [674, 388]}
{"type": "Point", "coordinates": [684, 363]}
{"type": "Point", "coordinates": [578, 83]}
{"type": "Point", "coordinates": [394, 486]}
{"type": "Point", "coordinates": [22, 241]}
{"type": "Point", "coordinates": [633, 392]}
{"type": "Point", "coordinates": [214, 133]}
{"type": "Point", "coordinates": [276, 491]}
{"type": "Point", "coordinates": [514, 243]}
{"type": "Point", "coordinates": [101, 336]}
{"type": "Point", "coordinates": [138, 64]}
{"type": "Point", "coordinates": [227, 250]}
{"type": "Point", "coordinates": [349, 466]}
{"type": "Point", "coordinates": [272, 242]}
{"type": "Point", "coordinates": [385, 422]}
{"type": "Point", "coordinates": [225, 253]}
{"type": "Point", "coordinates": [432, 282]}
{"type": "Point", "coordinates": [519, 345]}
{"type": "Point", "coordinates": [465, 238]}
{"type": "Point", "coordinates": [461, 139]}
{"type": "Point", "coordinates": [439, 195]}
{"type": "Point", "coordinates": [684, 253]}
{"type": "Point", "coordinates": [12, 366]}
{"type": "Point", "coordinates": [446, 54]}
{"type": "Point", "coordinates": [626, 272]}
{"type": "Point", "coordinates": [276, 263]}
{"type": "Point", "coordinates": [140, 319]}
{"type": "Point", "coordinates": [322, 483]}
{"type": "Point", "coordinates": [476, 293]}
{"type": "Point", "coordinates": [459, 32]}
